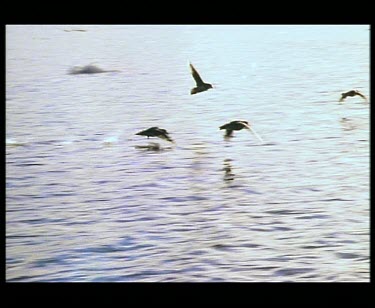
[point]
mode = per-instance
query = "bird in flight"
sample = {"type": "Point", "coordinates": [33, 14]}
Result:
{"type": "Point", "coordinates": [156, 132]}
{"type": "Point", "coordinates": [201, 85]}
{"type": "Point", "coordinates": [352, 93]}
{"type": "Point", "coordinates": [238, 125]}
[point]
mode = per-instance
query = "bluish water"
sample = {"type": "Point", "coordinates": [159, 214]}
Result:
{"type": "Point", "coordinates": [86, 200]}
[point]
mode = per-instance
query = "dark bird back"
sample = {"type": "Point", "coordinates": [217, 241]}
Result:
{"type": "Point", "coordinates": [234, 125]}
{"type": "Point", "coordinates": [155, 132]}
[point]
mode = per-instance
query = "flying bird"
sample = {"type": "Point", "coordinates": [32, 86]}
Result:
{"type": "Point", "coordinates": [201, 85]}
{"type": "Point", "coordinates": [352, 93]}
{"type": "Point", "coordinates": [238, 125]}
{"type": "Point", "coordinates": [156, 132]}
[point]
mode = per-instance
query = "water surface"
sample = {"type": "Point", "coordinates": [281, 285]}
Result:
{"type": "Point", "coordinates": [87, 201]}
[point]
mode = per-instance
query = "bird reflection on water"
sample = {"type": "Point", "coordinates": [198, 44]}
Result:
{"type": "Point", "coordinates": [347, 124]}
{"type": "Point", "coordinates": [228, 175]}
{"type": "Point", "coordinates": [152, 146]}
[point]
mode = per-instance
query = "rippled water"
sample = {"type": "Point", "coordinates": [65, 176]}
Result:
{"type": "Point", "coordinates": [87, 200]}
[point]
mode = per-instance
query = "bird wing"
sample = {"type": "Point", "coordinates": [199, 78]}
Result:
{"type": "Point", "coordinates": [196, 76]}
{"type": "Point", "coordinates": [165, 137]}
{"type": "Point", "coordinates": [361, 95]}
{"type": "Point", "coordinates": [244, 123]}
{"type": "Point", "coordinates": [255, 133]}
{"type": "Point", "coordinates": [161, 130]}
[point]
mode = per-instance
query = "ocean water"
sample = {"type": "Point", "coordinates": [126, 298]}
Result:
{"type": "Point", "coordinates": [87, 200]}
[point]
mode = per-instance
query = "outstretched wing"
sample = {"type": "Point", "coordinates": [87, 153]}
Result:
{"type": "Point", "coordinates": [165, 136]}
{"type": "Point", "coordinates": [161, 130]}
{"type": "Point", "coordinates": [245, 124]}
{"type": "Point", "coordinates": [196, 76]}
{"type": "Point", "coordinates": [361, 95]}
{"type": "Point", "coordinates": [255, 133]}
